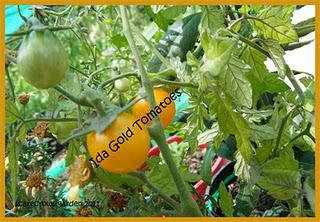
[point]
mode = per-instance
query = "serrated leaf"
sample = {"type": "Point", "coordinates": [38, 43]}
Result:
{"type": "Point", "coordinates": [281, 177]}
{"type": "Point", "coordinates": [212, 19]}
{"type": "Point", "coordinates": [310, 193]}
{"type": "Point", "coordinates": [217, 53]}
{"type": "Point", "coordinates": [152, 12]}
{"type": "Point", "coordinates": [264, 152]}
{"type": "Point", "coordinates": [231, 122]}
{"type": "Point", "coordinates": [263, 132]}
{"type": "Point", "coordinates": [248, 173]}
{"type": "Point", "coordinates": [12, 113]}
{"type": "Point", "coordinates": [255, 60]}
{"type": "Point", "coordinates": [225, 201]}
{"type": "Point", "coordinates": [73, 151]}
{"type": "Point", "coordinates": [276, 53]}
{"type": "Point", "coordinates": [208, 135]}
{"type": "Point", "coordinates": [115, 181]}
{"type": "Point", "coordinates": [160, 176]}
{"type": "Point", "coordinates": [260, 78]}
{"type": "Point", "coordinates": [206, 165]}
{"type": "Point", "coordinates": [192, 60]}
{"type": "Point", "coordinates": [246, 200]}
{"type": "Point", "coordinates": [234, 82]}
{"type": "Point", "coordinates": [276, 24]}
{"type": "Point", "coordinates": [23, 133]}
{"type": "Point", "coordinates": [172, 12]}
{"type": "Point", "coordinates": [273, 84]}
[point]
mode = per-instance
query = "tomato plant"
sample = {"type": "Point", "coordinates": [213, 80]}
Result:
{"type": "Point", "coordinates": [232, 135]}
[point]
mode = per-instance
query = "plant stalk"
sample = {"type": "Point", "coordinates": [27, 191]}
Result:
{"type": "Point", "coordinates": [188, 205]}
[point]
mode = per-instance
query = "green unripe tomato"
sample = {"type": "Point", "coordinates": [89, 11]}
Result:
{"type": "Point", "coordinates": [122, 85]}
{"type": "Point", "coordinates": [42, 60]}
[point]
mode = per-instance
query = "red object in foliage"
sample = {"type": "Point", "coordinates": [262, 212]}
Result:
{"type": "Point", "coordinates": [201, 186]}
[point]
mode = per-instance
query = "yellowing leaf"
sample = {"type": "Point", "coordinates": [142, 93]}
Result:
{"type": "Point", "coordinates": [234, 82]}
{"type": "Point", "coordinates": [217, 53]}
{"type": "Point", "coordinates": [281, 177]}
{"type": "Point", "coordinates": [275, 23]}
{"type": "Point", "coordinates": [231, 122]}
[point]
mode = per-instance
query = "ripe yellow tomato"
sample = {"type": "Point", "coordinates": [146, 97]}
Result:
{"type": "Point", "coordinates": [122, 147]}
{"type": "Point", "coordinates": [166, 116]}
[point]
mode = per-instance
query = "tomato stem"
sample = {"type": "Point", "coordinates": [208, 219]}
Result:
{"type": "Point", "coordinates": [188, 205]}
{"type": "Point", "coordinates": [79, 101]}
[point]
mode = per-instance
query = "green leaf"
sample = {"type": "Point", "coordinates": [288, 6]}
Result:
{"type": "Point", "coordinates": [160, 176]}
{"type": "Point", "coordinates": [115, 181]}
{"type": "Point", "coordinates": [276, 53]}
{"type": "Point", "coordinates": [206, 165]}
{"type": "Point", "coordinates": [23, 133]}
{"type": "Point", "coordinates": [73, 151]}
{"type": "Point", "coordinates": [248, 173]}
{"type": "Point", "coordinates": [273, 84]}
{"type": "Point", "coordinates": [218, 51]}
{"type": "Point", "coordinates": [157, 18]}
{"type": "Point", "coordinates": [305, 27]}
{"type": "Point", "coordinates": [172, 12]}
{"type": "Point", "coordinates": [276, 24]}
{"type": "Point", "coordinates": [281, 177]}
{"type": "Point", "coordinates": [231, 122]}
{"type": "Point", "coordinates": [264, 152]}
{"type": "Point", "coordinates": [208, 135]}
{"type": "Point", "coordinates": [212, 19]}
{"type": "Point", "coordinates": [310, 193]}
{"type": "Point", "coordinates": [263, 132]}
{"type": "Point", "coordinates": [246, 200]}
{"type": "Point", "coordinates": [225, 201]}
{"type": "Point", "coordinates": [195, 121]}
{"type": "Point", "coordinates": [178, 151]}
{"type": "Point", "coordinates": [234, 82]}
{"type": "Point", "coordinates": [192, 60]}
{"type": "Point", "coordinates": [260, 78]}
{"type": "Point", "coordinates": [255, 60]}
{"type": "Point", "coordinates": [12, 113]}
{"type": "Point", "coordinates": [119, 40]}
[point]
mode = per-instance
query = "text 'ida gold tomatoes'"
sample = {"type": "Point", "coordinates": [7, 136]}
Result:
{"type": "Point", "coordinates": [164, 102]}
{"type": "Point", "coordinates": [121, 148]}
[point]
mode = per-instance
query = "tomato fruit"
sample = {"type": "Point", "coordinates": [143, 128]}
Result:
{"type": "Point", "coordinates": [166, 116]}
{"type": "Point", "coordinates": [42, 60]}
{"type": "Point", "coordinates": [122, 85]}
{"type": "Point", "coordinates": [131, 153]}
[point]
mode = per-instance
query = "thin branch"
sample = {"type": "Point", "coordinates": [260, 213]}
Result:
{"type": "Point", "coordinates": [10, 84]}
{"type": "Point", "coordinates": [57, 28]}
{"type": "Point", "coordinates": [21, 16]}
{"type": "Point", "coordinates": [103, 84]}
{"type": "Point", "coordinates": [153, 188]}
{"type": "Point", "coordinates": [283, 124]}
{"type": "Point", "coordinates": [65, 11]}
{"type": "Point", "coordinates": [156, 81]}
{"type": "Point", "coordinates": [79, 101]}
